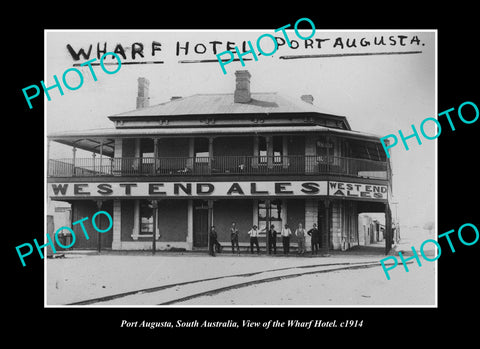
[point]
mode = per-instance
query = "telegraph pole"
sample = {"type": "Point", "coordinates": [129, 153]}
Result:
{"type": "Point", "coordinates": [154, 236]}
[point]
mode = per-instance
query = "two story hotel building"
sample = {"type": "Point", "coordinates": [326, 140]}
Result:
{"type": "Point", "coordinates": [167, 172]}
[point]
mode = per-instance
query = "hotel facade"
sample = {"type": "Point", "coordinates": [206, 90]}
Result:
{"type": "Point", "coordinates": [167, 172]}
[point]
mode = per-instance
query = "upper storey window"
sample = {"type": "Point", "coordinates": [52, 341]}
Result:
{"type": "Point", "coordinates": [276, 146]}
{"type": "Point", "coordinates": [367, 150]}
{"type": "Point", "coordinates": [325, 150]}
{"type": "Point", "coordinates": [201, 150]}
{"type": "Point", "coordinates": [262, 150]}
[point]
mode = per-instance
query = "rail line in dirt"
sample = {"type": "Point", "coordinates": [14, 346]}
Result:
{"type": "Point", "coordinates": [183, 291]}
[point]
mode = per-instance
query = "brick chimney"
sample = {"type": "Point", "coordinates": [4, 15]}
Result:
{"type": "Point", "coordinates": [143, 100]}
{"type": "Point", "coordinates": [242, 87]}
{"type": "Point", "coordinates": [307, 98]}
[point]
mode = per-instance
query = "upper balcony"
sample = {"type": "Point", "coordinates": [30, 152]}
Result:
{"type": "Point", "coordinates": [219, 166]}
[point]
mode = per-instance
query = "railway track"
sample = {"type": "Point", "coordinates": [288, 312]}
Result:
{"type": "Point", "coordinates": [183, 291]}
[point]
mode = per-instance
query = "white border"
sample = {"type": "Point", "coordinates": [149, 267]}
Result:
{"type": "Point", "coordinates": [241, 306]}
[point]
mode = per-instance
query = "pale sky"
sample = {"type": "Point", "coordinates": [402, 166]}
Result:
{"type": "Point", "coordinates": [378, 94]}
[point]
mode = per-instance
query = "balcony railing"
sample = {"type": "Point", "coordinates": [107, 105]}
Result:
{"type": "Point", "coordinates": [217, 165]}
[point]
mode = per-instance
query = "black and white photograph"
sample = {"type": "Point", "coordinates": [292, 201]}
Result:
{"type": "Point", "coordinates": [240, 168]}
{"type": "Point", "coordinates": [201, 173]}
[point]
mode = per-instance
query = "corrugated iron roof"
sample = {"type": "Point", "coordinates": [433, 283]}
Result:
{"type": "Point", "coordinates": [222, 103]}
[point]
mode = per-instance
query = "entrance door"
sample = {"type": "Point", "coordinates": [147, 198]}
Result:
{"type": "Point", "coordinates": [200, 224]}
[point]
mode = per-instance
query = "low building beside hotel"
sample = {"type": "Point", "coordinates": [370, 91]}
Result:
{"type": "Point", "coordinates": [172, 170]}
{"type": "Point", "coordinates": [370, 230]}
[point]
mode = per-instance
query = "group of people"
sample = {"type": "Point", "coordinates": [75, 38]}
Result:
{"type": "Point", "coordinates": [300, 234]}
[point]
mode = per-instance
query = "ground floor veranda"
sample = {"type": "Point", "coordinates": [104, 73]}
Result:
{"type": "Point", "coordinates": [184, 223]}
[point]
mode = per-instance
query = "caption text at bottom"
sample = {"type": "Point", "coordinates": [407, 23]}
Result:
{"type": "Point", "coordinates": [244, 324]}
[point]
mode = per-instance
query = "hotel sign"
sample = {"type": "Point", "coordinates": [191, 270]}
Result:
{"type": "Point", "coordinates": [98, 190]}
{"type": "Point", "coordinates": [358, 190]}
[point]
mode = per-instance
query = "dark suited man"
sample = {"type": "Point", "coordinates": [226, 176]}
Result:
{"type": "Point", "coordinates": [315, 234]}
{"type": "Point", "coordinates": [214, 244]}
{"type": "Point", "coordinates": [272, 239]}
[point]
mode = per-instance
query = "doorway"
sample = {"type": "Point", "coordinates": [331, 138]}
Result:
{"type": "Point", "coordinates": [200, 223]}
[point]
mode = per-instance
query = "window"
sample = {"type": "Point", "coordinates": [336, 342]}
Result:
{"type": "Point", "coordinates": [275, 214]}
{"type": "Point", "coordinates": [374, 152]}
{"type": "Point", "coordinates": [146, 148]}
{"type": "Point", "coordinates": [262, 150]}
{"type": "Point", "coordinates": [146, 153]}
{"type": "Point", "coordinates": [325, 150]}
{"type": "Point", "coordinates": [201, 150]}
{"type": "Point", "coordinates": [367, 150]}
{"type": "Point", "coordinates": [146, 218]}
{"type": "Point", "coordinates": [277, 149]}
